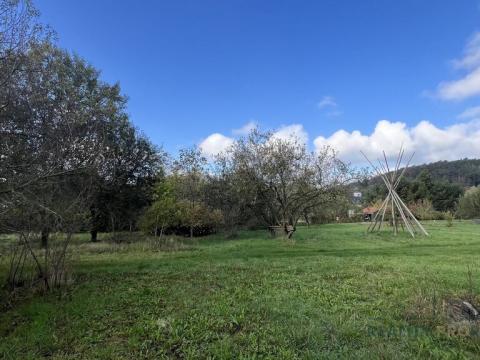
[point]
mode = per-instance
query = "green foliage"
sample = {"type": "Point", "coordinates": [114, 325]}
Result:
{"type": "Point", "coordinates": [448, 216]}
{"type": "Point", "coordinates": [445, 196]}
{"type": "Point", "coordinates": [170, 213]}
{"type": "Point", "coordinates": [469, 205]}
{"type": "Point", "coordinates": [465, 172]}
{"type": "Point", "coordinates": [423, 210]}
{"type": "Point", "coordinates": [198, 217]}
{"type": "Point", "coordinates": [441, 195]}
{"type": "Point", "coordinates": [164, 211]}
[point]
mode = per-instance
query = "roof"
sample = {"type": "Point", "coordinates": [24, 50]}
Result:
{"type": "Point", "coordinates": [369, 210]}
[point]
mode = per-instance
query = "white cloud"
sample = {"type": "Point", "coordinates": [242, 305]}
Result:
{"type": "Point", "coordinates": [469, 84]}
{"type": "Point", "coordinates": [215, 144]}
{"type": "Point", "coordinates": [471, 55]}
{"type": "Point", "coordinates": [290, 132]}
{"type": "Point", "coordinates": [470, 113]}
{"type": "Point", "coordinates": [429, 142]}
{"type": "Point", "coordinates": [327, 102]}
{"type": "Point", "coordinates": [461, 89]}
{"type": "Point", "coordinates": [245, 129]}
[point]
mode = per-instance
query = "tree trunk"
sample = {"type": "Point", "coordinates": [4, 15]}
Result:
{"type": "Point", "coordinates": [112, 221]}
{"type": "Point", "coordinates": [156, 226]}
{"type": "Point", "coordinates": [306, 220]}
{"type": "Point", "coordinates": [161, 231]}
{"type": "Point", "coordinates": [44, 238]}
{"type": "Point", "coordinates": [93, 235]}
{"type": "Point", "coordinates": [191, 232]}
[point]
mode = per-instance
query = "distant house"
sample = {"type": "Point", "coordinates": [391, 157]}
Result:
{"type": "Point", "coordinates": [356, 197]}
{"type": "Point", "coordinates": [369, 213]}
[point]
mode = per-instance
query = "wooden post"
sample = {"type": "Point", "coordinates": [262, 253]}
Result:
{"type": "Point", "coordinates": [391, 180]}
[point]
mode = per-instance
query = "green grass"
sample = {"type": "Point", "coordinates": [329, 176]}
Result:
{"type": "Point", "coordinates": [336, 292]}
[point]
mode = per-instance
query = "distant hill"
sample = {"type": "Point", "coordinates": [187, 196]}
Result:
{"type": "Point", "coordinates": [441, 182]}
{"type": "Point", "coordinates": [464, 172]}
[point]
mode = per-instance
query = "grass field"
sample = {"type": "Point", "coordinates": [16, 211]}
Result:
{"type": "Point", "coordinates": [336, 292]}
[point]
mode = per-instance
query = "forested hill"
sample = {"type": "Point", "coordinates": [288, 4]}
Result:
{"type": "Point", "coordinates": [442, 183]}
{"type": "Point", "coordinates": [464, 172]}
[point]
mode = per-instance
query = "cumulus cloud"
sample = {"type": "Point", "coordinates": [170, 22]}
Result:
{"type": "Point", "coordinates": [291, 132]}
{"type": "Point", "coordinates": [215, 144]}
{"type": "Point", "coordinates": [245, 129]}
{"type": "Point", "coordinates": [327, 102]}
{"type": "Point", "coordinates": [429, 142]}
{"type": "Point", "coordinates": [469, 84]}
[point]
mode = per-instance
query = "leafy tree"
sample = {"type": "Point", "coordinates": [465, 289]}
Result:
{"type": "Point", "coordinates": [445, 196]}
{"type": "Point", "coordinates": [124, 185]}
{"type": "Point", "coordinates": [51, 130]}
{"type": "Point", "coordinates": [170, 213]}
{"type": "Point", "coordinates": [189, 169]}
{"type": "Point", "coordinates": [164, 212]}
{"type": "Point", "coordinates": [228, 193]}
{"type": "Point", "coordinates": [282, 180]}
{"type": "Point", "coordinates": [469, 205]}
{"type": "Point", "coordinates": [421, 187]}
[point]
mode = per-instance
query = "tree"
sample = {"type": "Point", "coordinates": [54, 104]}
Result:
{"type": "Point", "coordinates": [469, 204]}
{"type": "Point", "coordinates": [170, 213]}
{"type": "Point", "coordinates": [52, 142]}
{"type": "Point", "coordinates": [189, 169]}
{"type": "Point", "coordinates": [19, 29]}
{"type": "Point", "coordinates": [164, 211]}
{"type": "Point", "coordinates": [124, 183]}
{"type": "Point", "coordinates": [282, 180]}
{"type": "Point", "coordinates": [445, 196]}
{"type": "Point", "coordinates": [226, 192]}
{"type": "Point", "coordinates": [51, 127]}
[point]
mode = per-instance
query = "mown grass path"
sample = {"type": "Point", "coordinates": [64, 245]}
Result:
{"type": "Point", "coordinates": [336, 292]}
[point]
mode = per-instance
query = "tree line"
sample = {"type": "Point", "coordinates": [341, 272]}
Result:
{"type": "Point", "coordinates": [71, 160]}
{"type": "Point", "coordinates": [430, 197]}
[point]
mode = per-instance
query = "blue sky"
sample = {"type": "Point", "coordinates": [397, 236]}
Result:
{"type": "Point", "coordinates": [196, 68]}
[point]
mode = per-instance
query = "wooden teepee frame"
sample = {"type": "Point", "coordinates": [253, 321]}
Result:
{"type": "Point", "coordinates": [391, 180]}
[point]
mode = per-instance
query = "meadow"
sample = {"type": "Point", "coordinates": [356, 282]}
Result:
{"type": "Point", "coordinates": [333, 292]}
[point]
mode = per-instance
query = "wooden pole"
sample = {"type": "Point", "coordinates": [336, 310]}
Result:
{"type": "Point", "coordinates": [393, 196]}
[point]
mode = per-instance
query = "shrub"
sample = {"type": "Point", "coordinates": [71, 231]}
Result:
{"type": "Point", "coordinates": [180, 218]}
{"type": "Point", "coordinates": [423, 210]}
{"type": "Point", "coordinates": [447, 215]}
{"type": "Point", "coordinates": [469, 204]}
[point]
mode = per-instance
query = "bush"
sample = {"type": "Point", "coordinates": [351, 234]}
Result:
{"type": "Point", "coordinates": [449, 217]}
{"type": "Point", "coordinates": [423, 210]}
{"type": "Point", "coordinates": [469, 204]}
{"type": "Point", "coordinates": [180, 218]}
